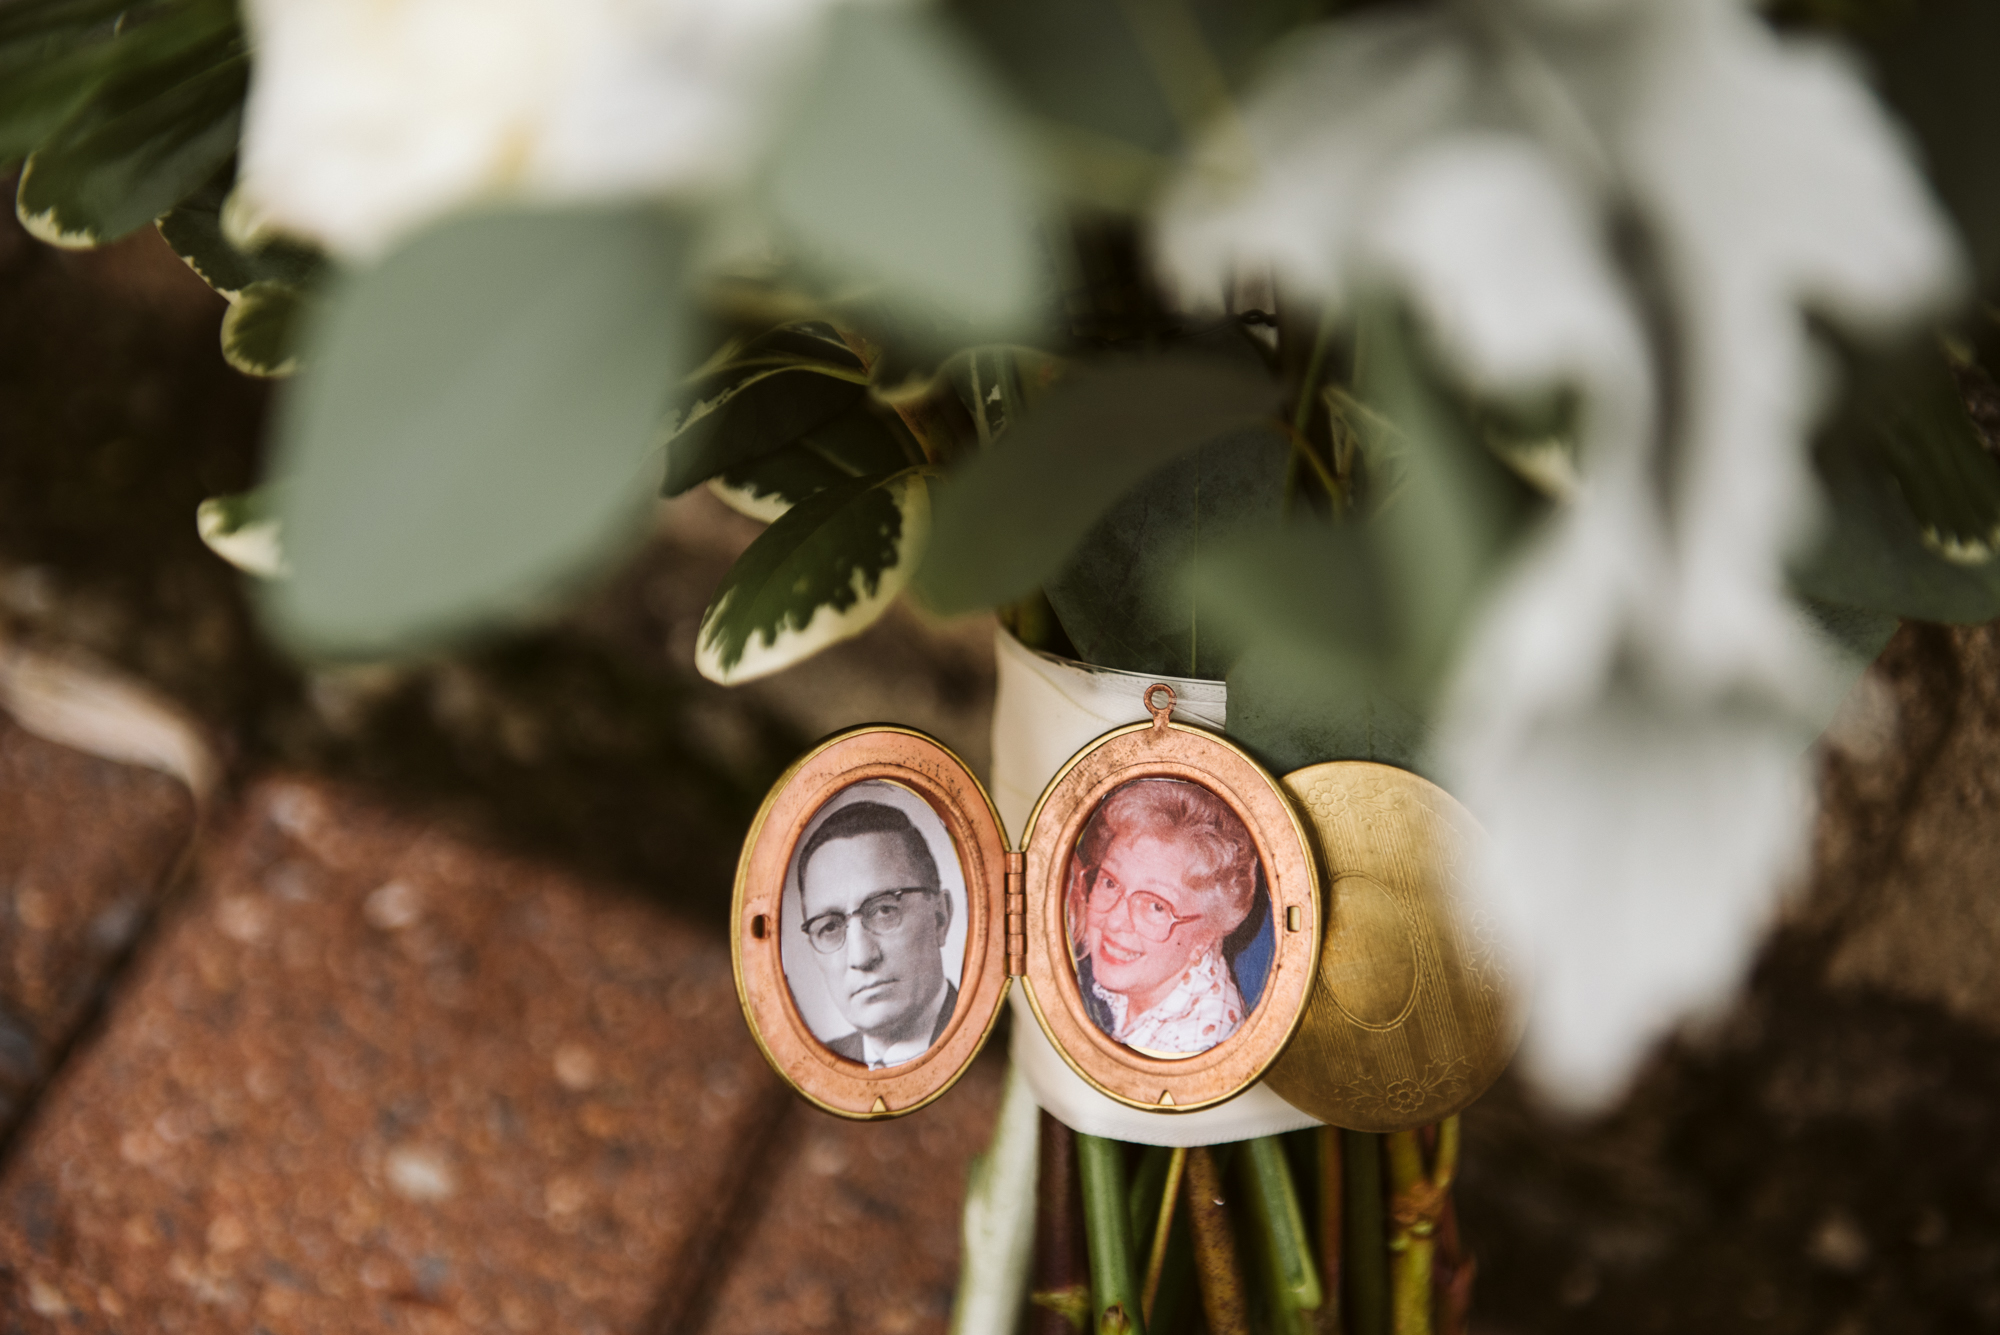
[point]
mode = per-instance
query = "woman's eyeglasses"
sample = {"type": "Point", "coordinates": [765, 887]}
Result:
{"type": "Point", "coordinates": [880, 915]}
{"type": "Point", "coordinates": [1152, 917]}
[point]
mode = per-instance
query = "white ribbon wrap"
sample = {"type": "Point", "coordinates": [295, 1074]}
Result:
{"type": "Point", "coordinates": [1047, 710]}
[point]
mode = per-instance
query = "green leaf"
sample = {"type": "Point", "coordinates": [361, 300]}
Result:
{"type": "Point", "coordinates": [473, 430]}
{"type": "Point", "coordinates": [1122, 599]}
{"type": "Point", "coordinates": [244, 530]}
{"type": "Point", "coordinates": [1010, 518]}
{"type": "Point", "coordinates": [53, 54]}
{"type": "Point", "coordinates": [992, 381]}
{"type": "Point", "coordinates": [155, 130]}
{"type": "Point", "coordinates": [194, 229]}
{"type": "Point", "coordinates": [1908, 486]}
{"type": "Point", "coordinates": [1119, 90]}
{"type": "Point", "coordinates": [1446, 508]}
{"type": "Point", "coordinates": [822, 573]}
{"type": "Point", "coordinates": [898, 167]}
{"type": "Point", "coordinates": [760, 397]}
{"type": "Point", "coordinates": [1949, 480]}
{"type": "Point", "coordinates": [1317, 676]}
{"type": "Point", "coordinates": [260, 331]}
{"type": "Point", "coordinates": [861, 442]}
{"type": "Point", "coordinates": [1349, 629]}
{"type": "Point", "coordinates": [1872, 553]}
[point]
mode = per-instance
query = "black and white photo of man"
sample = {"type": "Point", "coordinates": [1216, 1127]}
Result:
{"type": "Point", "coordinates": [876, 918]}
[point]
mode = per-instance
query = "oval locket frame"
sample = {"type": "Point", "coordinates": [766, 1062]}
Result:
{"type": "Point", "coordinates": [1015, 915]}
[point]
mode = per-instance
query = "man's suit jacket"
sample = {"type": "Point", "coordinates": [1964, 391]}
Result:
{"type": "Point", "coordinates": [849, 1045]}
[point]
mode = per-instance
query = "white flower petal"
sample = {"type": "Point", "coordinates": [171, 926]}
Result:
{"type": "Point", "coordinates": [1638, 854]}
{"type": "Point", "coordinates": [1629, 715]}
{"type": "Point", "coordinates": [1770, 182]}
{"type": "Point", "coordinates": [1503, 258]}
{"type": "Point", "coordinates": [1284, 184]}
{"type": "Point", "coordinates": [367, 118]}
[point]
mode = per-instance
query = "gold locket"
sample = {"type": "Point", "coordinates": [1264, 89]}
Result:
{"type": "Point", "coordinates": [1394, 1015]}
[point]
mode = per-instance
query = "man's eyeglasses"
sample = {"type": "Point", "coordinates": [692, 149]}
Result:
{"type": "Point", "coordinates": [1152, 917]}
{"type": "Point", "coordinates": [880, 915]}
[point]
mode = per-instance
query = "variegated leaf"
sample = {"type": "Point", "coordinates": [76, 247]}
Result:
{"type": "Point", "coordinates": [243, 530]}
{"type": "Point", "coordinates": [53, 54]}
{"type": "Point", "coordinates": [261, 329]}
{"type": "Point", "coordinates": [757, 397]}
{"type": "Point", "coordinates": [822, 573]}
{"type": "Point", "coordinates": [1951, 483]}
{"type": "Point", "coordinates": [866, 441]}
{"type": "Point", "coordinates": [996, 382]}
{"type": "Point", "coordinates": [158, 127]}
{"type": "Point", "coordinates": [194, 229]}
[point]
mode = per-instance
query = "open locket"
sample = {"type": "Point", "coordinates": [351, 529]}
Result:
{"type": "Point", "coordinates": [1162, 913]}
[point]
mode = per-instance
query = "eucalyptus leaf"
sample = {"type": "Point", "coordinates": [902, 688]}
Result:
{"type": "Point", "coordinates": [1447, 508]}
{"type": "Point", "coordinates": [1317, 677]}
{"type": "Point", "coordinates": [157, 127]}
{"type": "Point", "coordinates": [899, 167]}
{"type": "Point", "coordinates": [1126, 79]}
{"type": "Point", "coordinates": [1122, 599]}
{"type": "Point", "coordinates": [260, 330]}
{"type": "Point", "coordinates": [193, 228]}
{"type": "Point", "coordinates": [862, 442]}
{"type": "Point", "coordinates": [1009, 520]}
{"type": "Point", "coordinates": [822, 573]}
{"type": "Point", "coordinates": [760, 398]}
{"type": "Point", "coordinates": [1291, 712]}
{"type": "Point", "coordinates": [474, 427]}
{"type": "Point", "coordinates": [1348, 630]}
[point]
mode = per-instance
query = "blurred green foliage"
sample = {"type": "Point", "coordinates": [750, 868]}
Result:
{"type": "Point", "coordinates": [955, 303]}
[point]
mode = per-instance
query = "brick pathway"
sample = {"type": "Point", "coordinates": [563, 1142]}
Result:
{"type": "Point", "coordinates": [360, 1072]}
{"type": "Point", "coordinates": [86, 846]}
{"type": "Point", "coordinates": [367, 1076]}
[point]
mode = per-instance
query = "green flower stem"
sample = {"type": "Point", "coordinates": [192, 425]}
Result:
{"type": "Point", "coordinates": [1221, 1279]}
{"type": "Point", "coordinates": [1281, 1227]}
{"type": "Point", "coordinates": [1114, 1288]}
{"type": "Point", "coordinates": [1365, 1270]}
{"type": "Point", "coordinates": [1330, 1231]}
{"type": "Point", "coordinates": [1418, 1203]}
{"type": "Point", "coordinates": [1412, 1241]}
{"type": "Point", "coordinates": [1156, 1260]}
{"type": "Point", "coordinates": [1309, 382]}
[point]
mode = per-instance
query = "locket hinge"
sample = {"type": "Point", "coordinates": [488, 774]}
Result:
{"type": "Point", "coordinates": [1017, 914]}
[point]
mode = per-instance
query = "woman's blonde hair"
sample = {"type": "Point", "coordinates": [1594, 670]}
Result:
{"type": "Point", "coordinates": [1222, 858]}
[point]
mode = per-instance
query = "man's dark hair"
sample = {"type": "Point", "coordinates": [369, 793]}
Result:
{"type": "Point", "coordinates": [859, 818]}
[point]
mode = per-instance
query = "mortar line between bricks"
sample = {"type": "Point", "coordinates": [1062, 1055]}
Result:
{"type": "Point", "coordinates": [688, 1296]}
{"type": "Point", "coordinates": [177, 888]}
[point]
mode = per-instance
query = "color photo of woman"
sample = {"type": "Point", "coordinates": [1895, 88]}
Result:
{"type": "Point", "coordinates": [1159, 884]}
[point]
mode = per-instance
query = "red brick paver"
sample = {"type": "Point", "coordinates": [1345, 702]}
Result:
{"type": "Point", "coordinates": [373, 1079]}
{"type": "Point", "coordinates": [86, 848]}
{"type": "Point", "coordinates": [859, 1230]}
